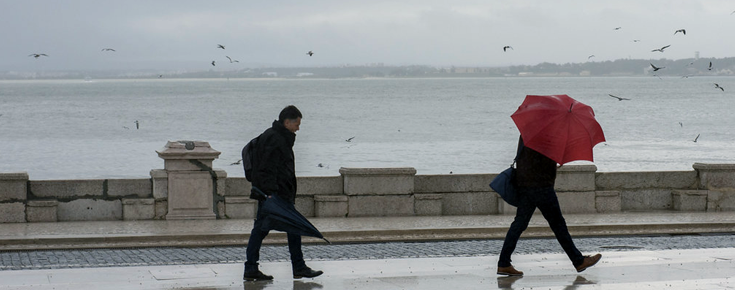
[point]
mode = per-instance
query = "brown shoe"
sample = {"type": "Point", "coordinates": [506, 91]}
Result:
{"type": "Point", "coordinates": [510, 271]}
{"type": "Point", "coordinates": [589, 261]}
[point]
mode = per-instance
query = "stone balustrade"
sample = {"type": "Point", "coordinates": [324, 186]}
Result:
{"type": "Point", "coordinates": [187, 189]}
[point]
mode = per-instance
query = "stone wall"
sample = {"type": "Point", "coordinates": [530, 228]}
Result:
{"type": "Point", "coordinates": [362, 192]}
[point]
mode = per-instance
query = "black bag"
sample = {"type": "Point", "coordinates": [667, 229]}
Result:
{"type": "Point", "coordinates": [504, 183]}
{"type": "Point", "coordinates": [247, 158]}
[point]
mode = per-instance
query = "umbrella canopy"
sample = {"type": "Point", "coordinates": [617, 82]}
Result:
{"type": "Point", "coordinates": [281, 215]}
{"type": "Point", "coordinates": [558, 127]}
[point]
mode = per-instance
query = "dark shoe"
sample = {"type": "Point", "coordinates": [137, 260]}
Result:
{"type": "Point", "coordinates": [589, 261]}
{"type": "Point", "coordinates": [256, 276]}
{"type": "Point", "coordinates": [306, 272]}
{"type": "Point", "coordinates": [510, 271]}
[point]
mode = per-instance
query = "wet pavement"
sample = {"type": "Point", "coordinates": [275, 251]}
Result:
{"type": "Point", "coordinates": [640, 270]}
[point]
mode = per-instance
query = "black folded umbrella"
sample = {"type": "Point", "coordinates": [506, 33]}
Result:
{"type": "Point", "coordinates": [281, 215]}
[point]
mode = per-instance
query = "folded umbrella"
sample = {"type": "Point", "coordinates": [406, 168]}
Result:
{"type": "Point", "coordinates": [281, 215]}
{"type": "Point", "coordinates": [558, 127]}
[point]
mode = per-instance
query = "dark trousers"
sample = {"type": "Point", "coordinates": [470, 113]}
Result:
{"type": "Point", "coordinates": [543, 198]}
{"type": "Point", "coordinates": [256, 241]}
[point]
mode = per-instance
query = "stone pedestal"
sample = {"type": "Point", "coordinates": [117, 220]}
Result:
{"type": "Point", "coordinates": [719, 181]}
{"type": "Point", "coordinates": [191, 179]}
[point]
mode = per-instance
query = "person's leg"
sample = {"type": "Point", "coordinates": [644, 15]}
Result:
{"type": "Point", "coordinates": [548, 203]}
{"type": "Point", "coordinates": [294, 248]}
{"type": "Point", "coordinates": [256, 241]}
{"type": "Point", "coordinates": [520, 223]}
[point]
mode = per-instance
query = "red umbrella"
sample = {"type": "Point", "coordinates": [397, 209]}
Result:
{"type": "Point", "coordinates": [558, 127]}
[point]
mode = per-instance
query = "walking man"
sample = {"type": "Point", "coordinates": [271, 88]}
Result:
{"type": "Point", "coordinates": [535, 176]}
{"type": "Point", "coordinates": [274, 173]}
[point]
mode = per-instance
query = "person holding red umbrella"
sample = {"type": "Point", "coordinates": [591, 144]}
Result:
{"type": "Point", "coordinates": [554, 130]}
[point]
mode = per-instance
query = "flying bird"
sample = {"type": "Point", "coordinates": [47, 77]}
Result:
{"type": "Point", "coordinates": [661, 49]}
{"type": "Point", "coordinates": [310, 53]}
{"type": "Point", "coordinates": [236, 162]}
{"type": "Point", "coordinates": [350, 139]}
{"type": "Point", "coordinates": [684, 31]}
{"type": "Point", "coordinates": [220, 46]}
{"type": "Point", "coordinates": [617, 28]}
{"type": "Point", "coordinates": [108, 49]}
{"type": "Point", "coordinates": [231, 60]}
{"type": "Point", "coordinates": [137, 124]}
{"type": "Point", "coordinates": [717, 86]}
{"type": "Point", "coordinates": [591, 56]}
{"type": "Point", "coordinates": [655, 68]}
{"type": "Point", "coordinates": [636, 40]}
{"type": "Point", "coordinates": [710, 66]}
{"type": "Point", "coordinates": [505, 48]}
{"type": "Point", "coordinates": [619, 98]}
{"type": "Point", "coordinates": [696, 138]}
{"type": "Point", "coordinates": [37, 55]}
{"type": "Point", "coordinates": [213, 63]}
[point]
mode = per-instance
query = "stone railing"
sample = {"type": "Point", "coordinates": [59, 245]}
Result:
{"type": "Point", "coordinates": [188, 188]}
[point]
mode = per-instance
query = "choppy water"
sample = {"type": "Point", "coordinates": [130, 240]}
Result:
{"type": "Point", "coordinates": [79, 129]}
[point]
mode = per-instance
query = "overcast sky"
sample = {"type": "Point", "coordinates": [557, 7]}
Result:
{"type": "Point", "coordinates": [184, 34]}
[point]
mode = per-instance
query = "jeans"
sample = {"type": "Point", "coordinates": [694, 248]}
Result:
{"type": "Point", "coordinates": [256, 241]}
{"type": "Point", "coordinates": [543, 198]}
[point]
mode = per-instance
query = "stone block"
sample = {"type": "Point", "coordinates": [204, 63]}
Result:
{"type": "Point", "coordinates": [331, 205]}
{"type": "Point", "coordinates": [378, 181]}
{"type": "Point", "coordinates": [715, 176]}
{"type": "Point", "coordinates": [646, 180]}
{"type": "Point", "coordinates": [190, 195]}
{"type": "Point", "coordinates": [607, 201]}
{"type": "Point", "coordinates": [89, 210]}
{"type": "Point", "coordinates": [41, 211]}
{"type": "Point", "coordinates": [66, 189]}
{"type": "Point", "coordinates": [13, 186]}
{"type": "Point", "coordinates": [645, 200]}
{"type": "Point", "coordinates": [452, 183]}
{"type": "Point", "coordinates": [221, 182]}
{"type": "Point", "coordinates": [469, 203]}
{"type": "Point", "coordinates": [689, 200]}
{"type": "Point", "coordinates": [574, 202]}
{"type": "Point", "coordinates": [178, 155]}
{"type": "Point", "coordinates": [159, 183]}
{"type": "Point", "coordinates": [238, 186]}
{"type": "Point", "coordinates": [305, 205]}
{"type": "Point", "coordinates": [428, 204]}
{"type": "Point", "coordinates": [129, 188]}
{"type": "Point", "coordinates": [240, 207]}
{"type": "Point", "coordinates": [328, 185]}
{"type": "Point", "coordinates": [376, 206]}
{"type": "Point", "coordinates": [161, 209]}
{"type": "Point", "coordinates": [12, 212]}
{"type": "Point", "coordinates": [575, 178]}
{"type": "Point", "coordinates": [721, 200]}
{"type": "Point", "coordinates": [138, 209]}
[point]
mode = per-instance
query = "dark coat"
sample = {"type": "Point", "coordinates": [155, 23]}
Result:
{"type": "Point", "coordinates": [273, 165]}
{"type": "Point", "coordinates": [533, 169]}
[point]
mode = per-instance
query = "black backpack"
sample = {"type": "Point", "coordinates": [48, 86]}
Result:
{"type": "Point", "coordinates": [248, 155]}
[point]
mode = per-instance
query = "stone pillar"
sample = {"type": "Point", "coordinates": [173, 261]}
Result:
{"type": "Point", "coordinates": [575, 187]}
{"type": "Point", "coordinates": [191, 180]}
{"type": "Point", "coordinates": [379, 191]}
{"type": "Point", "coordinates": [13, 196]}
{"type": "Point", "coordinates": [719, 181]}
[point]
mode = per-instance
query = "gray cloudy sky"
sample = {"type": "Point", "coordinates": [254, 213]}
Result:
{"type": "Point", "coordinates": [184, 34]}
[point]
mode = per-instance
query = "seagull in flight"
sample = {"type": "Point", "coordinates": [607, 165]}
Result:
{"type": "Point", "coordinates": [137, 125]}
{"type": "Point", "coordinates": [220, 46]}
{"type": "Point", "coordinates": [350, 139]}
{"type": "Point", "coordinates": [619, 98]}
{"type": "Point", "coordinates": [213, 63]}
{"type": "Point", "coordinates": [684, 31]}
{"type": "Point", "coordinates": [310, 53]}
{"type": "Point", "coordinates": [37, 55]}
{"type": "Point", "coordinates": [231, 60]}
{"type": "Point", "coordinates": [636, 40]}
{"type": "Point", "coordinates": [655, 68]}
{"type": "Point", "coordinates": [108, 49]}
{"type": "Point", "coordinates": [505, 48]}
{"type": "Point", "coordinates": [696, 138]}
{"type": "Point", "coordinates": [617, 28]}
{"type": "Point", "coordinates": [710, 66]}
{"type": "Point", "coordinates": [717, 86]}
{"type": "Point", "coordinates": [661, 49]}
{"type": "Point", "coordinates": [236, 162]}
{"type": "Point", "coordinates": [591, 56]}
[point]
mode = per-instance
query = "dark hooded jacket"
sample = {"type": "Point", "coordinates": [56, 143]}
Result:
{"type": "Point", "coordinates": [533, 169]}
{"type": "Point", "coordinates": [273, 165]}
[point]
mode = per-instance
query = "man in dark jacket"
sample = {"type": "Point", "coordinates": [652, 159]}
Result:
{"type": "Point", "coordinates": [274, 173]}
{"type": "Point", "coordinates": [534, 178]}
